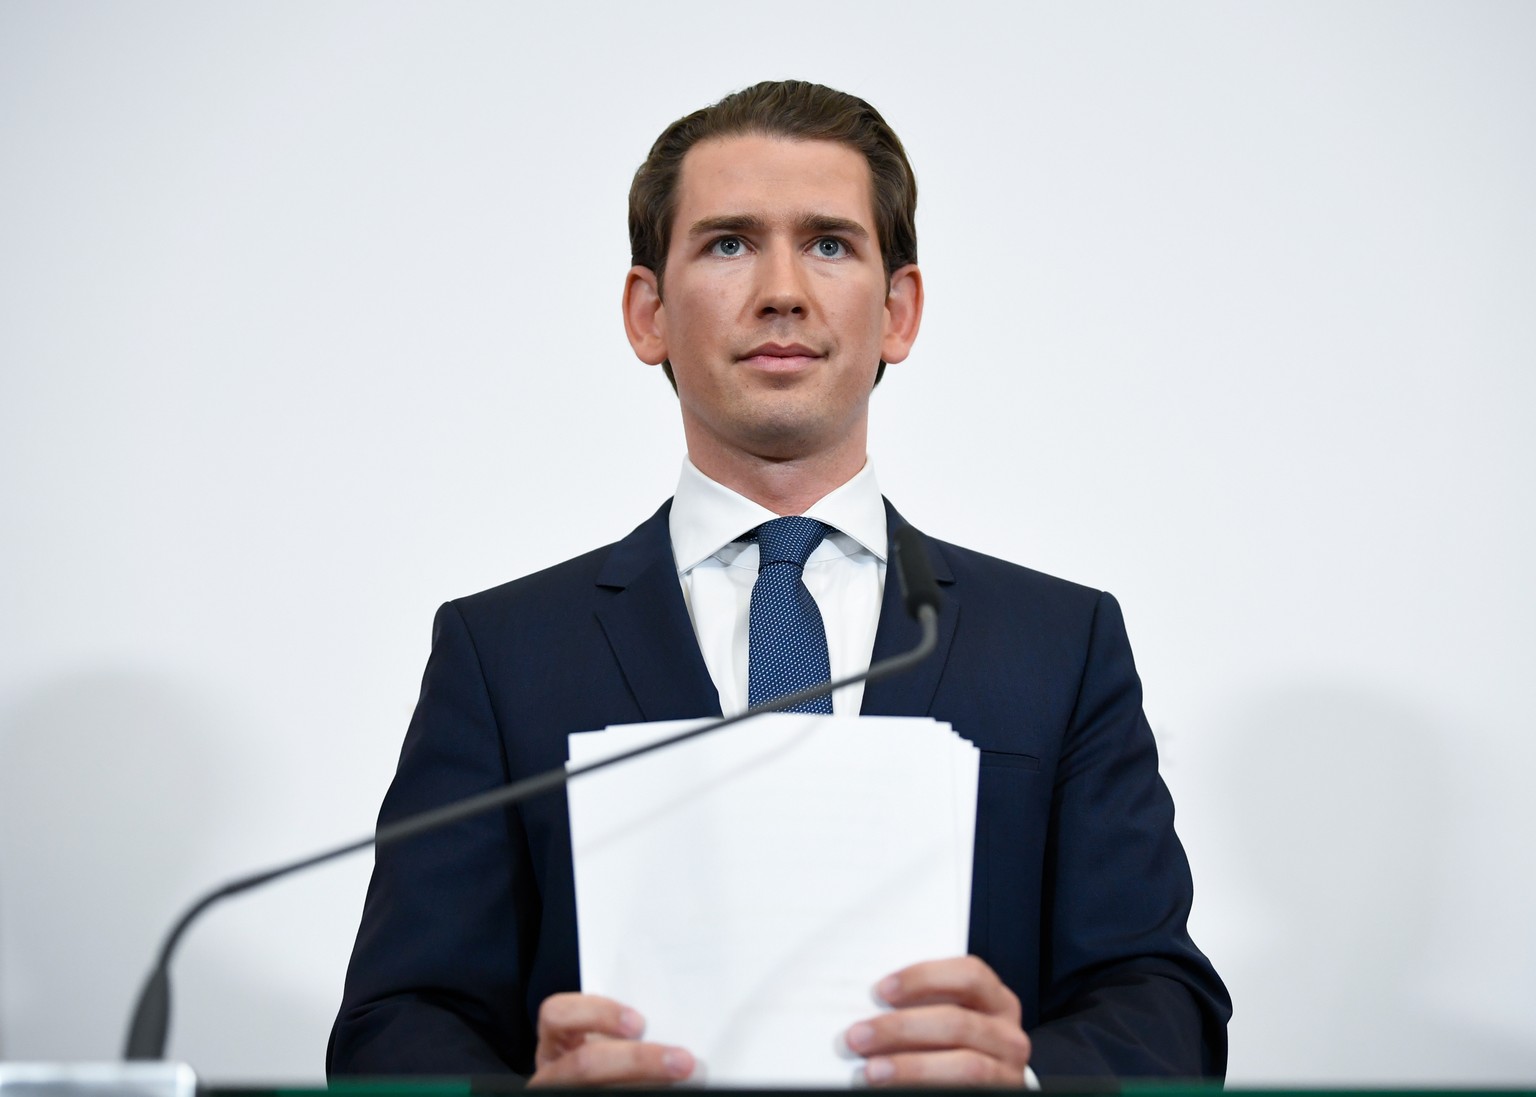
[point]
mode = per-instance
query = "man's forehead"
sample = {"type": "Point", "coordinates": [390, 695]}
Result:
{"type": "Point", "coordinates": [773, 178]}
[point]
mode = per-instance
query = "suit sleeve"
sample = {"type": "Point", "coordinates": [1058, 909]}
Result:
{"type": "Point", "coordinates": [1124, 991]}
{"type": "Point", "coordinates": [435, 984]}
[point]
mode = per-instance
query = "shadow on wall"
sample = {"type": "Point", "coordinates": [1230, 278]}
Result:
{"type": "Point", "coordinates": [119, 795]}
{"type": "Point", "coordinates": [1338, 807]}
{"type": "Point", "coordinates": [108, 785]}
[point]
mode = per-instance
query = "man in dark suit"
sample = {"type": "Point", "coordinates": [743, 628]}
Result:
{"type": "Point", "coordinates": [774, 277]}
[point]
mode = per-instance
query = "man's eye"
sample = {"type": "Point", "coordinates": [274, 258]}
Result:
{"type": "Point", "coordinates": [829, 247]}
{"type": "Point", "coordinates": [728, 246]}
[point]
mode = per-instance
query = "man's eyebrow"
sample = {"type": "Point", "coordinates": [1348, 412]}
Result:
{"type": "Point", "coordinates": [825, 223]}
{"type": "Point", "coordinates": [731, 222]}
{"type": "Point", "coordinates": [750, 223]}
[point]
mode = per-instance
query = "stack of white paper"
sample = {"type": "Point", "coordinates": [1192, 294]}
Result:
{"type": "Point", "coordinates": [745, 890]}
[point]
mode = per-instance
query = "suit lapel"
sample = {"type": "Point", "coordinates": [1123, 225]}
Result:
{"type": "Point", "coordinates": [641, 611]}
{"type": "Point", "coordinates": [911, 692]}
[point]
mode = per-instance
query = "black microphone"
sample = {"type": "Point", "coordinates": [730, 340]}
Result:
{"type": "Point", "coordinates": [919, 589]}
{"type": "Point", "coordinates": [150, 1024]}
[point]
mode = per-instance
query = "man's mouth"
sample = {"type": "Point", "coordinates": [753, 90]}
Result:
{"type": "Point", "coordinates": [780, 356]}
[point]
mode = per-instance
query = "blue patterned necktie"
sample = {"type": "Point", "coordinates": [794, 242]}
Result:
{"type": "Point", "coordinates": [786, 640]}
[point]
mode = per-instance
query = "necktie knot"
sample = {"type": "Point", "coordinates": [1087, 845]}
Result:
{"type": "Point", "coordinates": [788, 540]}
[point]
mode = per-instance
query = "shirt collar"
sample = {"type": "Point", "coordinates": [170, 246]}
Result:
{"type": "Point", "coordinates": [707, 515]}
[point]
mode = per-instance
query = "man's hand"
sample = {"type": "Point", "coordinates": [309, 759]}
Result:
{"type": "Point", "coordinates": [954, 1023]}
{"type": "Point", "coordinates": [586, 1040]}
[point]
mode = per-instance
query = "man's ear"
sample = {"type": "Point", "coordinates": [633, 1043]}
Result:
{"type": "Point", "coordinates": [903, 313]}
{"type": "Point", "coordinates": [643, 319]}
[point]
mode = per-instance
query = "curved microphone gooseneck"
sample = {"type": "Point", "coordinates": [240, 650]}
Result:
{"type": "Point", "coordinates": [150, 1025]}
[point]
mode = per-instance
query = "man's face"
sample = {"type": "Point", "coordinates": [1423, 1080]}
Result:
{"type": "Point", "coordinates": [775, 313]}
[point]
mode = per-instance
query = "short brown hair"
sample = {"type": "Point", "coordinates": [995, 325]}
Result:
{"type": "Point", "coordinates": [777, 108]}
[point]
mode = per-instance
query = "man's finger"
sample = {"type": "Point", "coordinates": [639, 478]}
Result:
{"type": "Point", "coordinates": [590, 1013]}
{"type": "Point", "coordinates": [940, 1028]}
{"type": "Point", "coordinates": [566, 1020]}
{"type": "Point", "coordinates": [927, 1068]}
{"type": "Point", "coordinates": [616, 1062]}
{"type": "Point", "coordinates": [962, 980]}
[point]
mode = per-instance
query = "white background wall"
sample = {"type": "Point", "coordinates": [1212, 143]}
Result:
{"type": "Point", "coordinates": [309, 321]}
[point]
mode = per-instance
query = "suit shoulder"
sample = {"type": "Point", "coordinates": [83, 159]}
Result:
{"type": "Point", "coordinates": [1008, 579]}
{"type": "Point", "coordinates": [1011, 604]}
{"type": "Point", "coordinates": [556, 593]}
{"type": "Point", "coordinates": [555, 585]}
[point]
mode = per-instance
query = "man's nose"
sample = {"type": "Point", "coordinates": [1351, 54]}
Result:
{"type": "Point", "coordinates": [782, 288]}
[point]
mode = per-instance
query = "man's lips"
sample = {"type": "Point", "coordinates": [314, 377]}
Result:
{"type": "Point", "coordinates": [780, 356]}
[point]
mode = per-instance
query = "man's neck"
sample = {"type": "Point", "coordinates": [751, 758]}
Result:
{"type": "Point", "coordinates": [784, 486]}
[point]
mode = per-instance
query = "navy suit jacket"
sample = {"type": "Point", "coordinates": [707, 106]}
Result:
{"type": "Point", "coordinates": [1081, 890]}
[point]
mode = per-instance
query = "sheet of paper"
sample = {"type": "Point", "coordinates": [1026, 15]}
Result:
{"type": "Point", "coordinates": [965, 763]}
{"type": "Point", "coordinates": [745, 890]}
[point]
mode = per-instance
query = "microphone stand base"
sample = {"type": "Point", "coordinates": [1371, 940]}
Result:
{"type": "Point", "coordinates": [136, 1079]}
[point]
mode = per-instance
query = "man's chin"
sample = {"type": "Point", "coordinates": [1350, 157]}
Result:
{"type": "Point", "coordinates": [790, 438]}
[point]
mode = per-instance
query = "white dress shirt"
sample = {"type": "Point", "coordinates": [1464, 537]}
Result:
{"type": "Point", "coordinates": [845, 575]}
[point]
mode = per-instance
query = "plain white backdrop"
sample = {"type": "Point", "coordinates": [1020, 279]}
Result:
{"type": "Point", "coordinates": [309, 321]}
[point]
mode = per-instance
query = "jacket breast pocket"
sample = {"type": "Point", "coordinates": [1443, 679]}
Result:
{"type": "Point", "coordinates": [1006, 759]}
